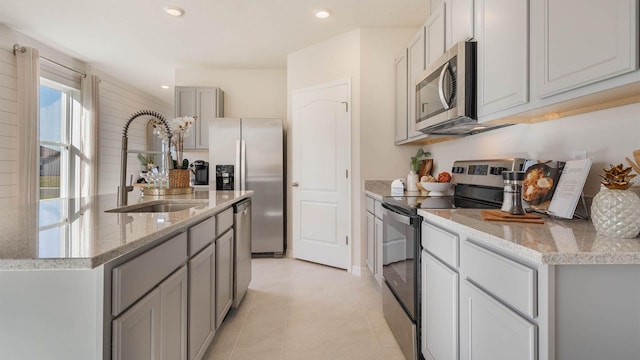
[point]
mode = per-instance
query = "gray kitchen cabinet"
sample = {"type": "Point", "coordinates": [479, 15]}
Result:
{"type": "Point", "coordinates": [459, 21]}
{"type": "Point", "coordinates": [415, 66]}
{"type": "Point", "coordinates": [492, 331]}
{"type": "Point", "coordinates": [573, 49]}
{"type": "Point", "coordinates": [374, 238]}
{"type": "Point", "coordinates": [206, 103]}
{"type": "Point", "coordinates": [439, 309]}
{"type": "Point", "coordinates": [371, 243]}
{"type": "Point", "coordinates": [378, 247]}
{"type": "Point", "coordinates": [173, 316]}
{"type": "Point", "coordinates": [156, 326]}
{"type": "Point", "coordinates": [435, 35]}
{"type": "Point", "coordinates": [224, 275]}
{"type": "Point", "coordinates": [136, 333]}
{"type": "Point", "coordinates": [202, 322]}
{"type": "Point", "coordinates": [401, 86]}
{"type": "Point", "coordinates": [503, 56]}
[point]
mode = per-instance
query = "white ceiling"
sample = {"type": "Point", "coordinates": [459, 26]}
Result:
{"type": "Point", "coordinates": [136, 41]}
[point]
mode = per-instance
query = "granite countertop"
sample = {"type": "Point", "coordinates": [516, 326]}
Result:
{"type": "Point", "coordinates": [79, 234]}
{"type": "Point", "coordinates": [556, 242]}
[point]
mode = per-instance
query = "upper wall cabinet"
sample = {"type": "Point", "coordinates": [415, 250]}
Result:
{"type": "Point", "coordinates": [415, 65]}
{"type": "Point", "coordinates": [502, 55]}
{"type": "Point", "coordinates": [400, 96]}
{"type": "Point", "coordinates": [576, 48]}
{"type": "Point", "coordinates": [204, 102]}
{"type": "Point", "coordinates": [459, 21]}
{"type": "Point", "coordinates": [435, 30]}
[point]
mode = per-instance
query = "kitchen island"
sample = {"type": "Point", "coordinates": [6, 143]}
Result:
{"type": "Point", "coordinates": [71, 273]}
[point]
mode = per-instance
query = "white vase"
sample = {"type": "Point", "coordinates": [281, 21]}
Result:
{"type": "Point", "coordinates": [616, 213]}
{"type": "Point", "coordinates": [412, 180]}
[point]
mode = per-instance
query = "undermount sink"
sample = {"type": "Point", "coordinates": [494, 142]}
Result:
{"type": "Point", "coordinates": [155, 207]}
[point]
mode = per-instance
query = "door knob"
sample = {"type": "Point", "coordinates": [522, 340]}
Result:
{"type": "Point", "coordinates": [295, 184]}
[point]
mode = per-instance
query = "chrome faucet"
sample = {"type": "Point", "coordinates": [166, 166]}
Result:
{"type": "Point", "coordinates": [123, 189]}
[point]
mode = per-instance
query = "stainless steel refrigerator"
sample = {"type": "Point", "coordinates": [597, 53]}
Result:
{"type": "Point", "coordinates": [248, 154]}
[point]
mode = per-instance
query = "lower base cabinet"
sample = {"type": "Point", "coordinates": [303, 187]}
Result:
{"type": "Point", "coordinates": [491, 331]}
{"type": "Point", "coordinates": [202, 324]}
{"type": "Point", "coordinates": [439, 310]}
{"type": "Point", "coordinates": [156, 326]}
{"type": "Point", "coordinates": [224, 275]}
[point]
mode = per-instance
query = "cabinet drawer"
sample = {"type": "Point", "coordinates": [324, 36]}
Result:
{"type": "Point", "coordinates": [442, 244]}
{"type": "Point", "coordinates": [371, 205]}
{"type": "Point", "coordinates": [224, 221]}
{"type": "Point", "coordinates": [511, 281]}
{"type": "Point", "coordinates": [378, 209]}
{"type": "Point", "coordinates": [201, 235]}
{"type": "Point", "coordinates": [136, 277]}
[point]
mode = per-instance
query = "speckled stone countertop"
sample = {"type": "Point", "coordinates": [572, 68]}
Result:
{"type": "Point", "coordinates": [79, 234]}
{"type": "Point", "coordinates": [377, 188]}
{"type": "Point", "coordinates": [556, 242]}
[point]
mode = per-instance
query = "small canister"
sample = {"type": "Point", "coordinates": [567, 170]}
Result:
{"type": "Point", "coordinates": [512, 199]}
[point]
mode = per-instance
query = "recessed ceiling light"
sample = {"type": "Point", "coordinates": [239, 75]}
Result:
{"type": "Point", "coordinates": [322, 13]}
{"type": "Point", "coordinates": [164, 86]}
{"type": "Point", "coordinates": [174, 10]}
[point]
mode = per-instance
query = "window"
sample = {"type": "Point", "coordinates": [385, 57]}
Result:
{"type": "Point", "coordinates": [58, 125]}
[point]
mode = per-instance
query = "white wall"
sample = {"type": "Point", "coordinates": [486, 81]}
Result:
{"type": "Point", "coordinates": [608, 136]}
{"type": "Point", "coordinates": [248, 93]}
{"type": "Point", "coordinates": [8, 124]}
{"type": "Point", "coordinates": [365, 56]}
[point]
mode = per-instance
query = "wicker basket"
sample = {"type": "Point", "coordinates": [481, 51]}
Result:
{"type": "Point", "coordinates": [179, 178]}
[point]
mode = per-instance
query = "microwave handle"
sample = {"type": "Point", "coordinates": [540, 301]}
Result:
{"type": "Point", "coordinates": [443, 99]}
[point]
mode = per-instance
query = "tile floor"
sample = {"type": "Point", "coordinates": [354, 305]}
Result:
{"type": "Point", "coordinates": [299, 310]}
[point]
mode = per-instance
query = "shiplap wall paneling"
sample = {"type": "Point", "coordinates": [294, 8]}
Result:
{"type": "Point", "coordinates": [8, 125]}
{"type": "Point", "coordinates": [117, 103]}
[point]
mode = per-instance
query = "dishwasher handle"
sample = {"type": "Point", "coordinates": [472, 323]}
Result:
{"type": "Point", "coordinates": [240, 206]}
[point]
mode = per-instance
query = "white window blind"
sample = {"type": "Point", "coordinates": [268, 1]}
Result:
{"type": "Point", "coordinates": [60, 74]}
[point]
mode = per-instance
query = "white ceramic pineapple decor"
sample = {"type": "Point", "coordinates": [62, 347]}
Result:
{"type": "Point", "coordinates": [615, 210]}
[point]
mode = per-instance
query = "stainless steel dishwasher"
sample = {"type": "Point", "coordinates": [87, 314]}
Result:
{"type": "Point", "coordinates": [242, 250]}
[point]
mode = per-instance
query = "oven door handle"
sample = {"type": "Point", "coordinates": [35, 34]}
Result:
{"type": "Point", "coordinates": [443, 98]}
{"type": "Point", "coordinates": [387, 211]}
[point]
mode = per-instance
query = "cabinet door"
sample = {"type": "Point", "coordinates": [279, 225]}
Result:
{"type": "Point", "coordinates": [576, 48]}
{"type": "Point", "coordinates": [400, 96]}
{"type": "Point", "coordinates": [459, 15]}
{"type": "Point", "coordinates": [378, 250]}
{"type": "Point", "coordinates": [136, 332]}
{"type": "Point", "coordinates": [491, 331]}
{"type": "Point", "coordinates": [503, 56]}
{"type": "Point", "coordinates": [371, 243]}
{"type": "Point", "coordinates": [185, 105]}
{"type": "Point", "coordinates": [435, 34]}
{"type": "Point", "coordinates": [173, 316]}
{"type": "Point", "coordinates": [439, 310]}
{"type": "Point", "coordinates": [415, 57]}
{"type": "Point", "coordinates": [202, 325]}
{"type": "Point", "coordinates": [224, 275]}
{"type": "Point", "coordinates": [206, 105]}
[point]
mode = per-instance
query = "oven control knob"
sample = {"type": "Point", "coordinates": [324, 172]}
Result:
{"type": "Point", "coordinates": [457, 170]}
{"type": "Point", "coordinates": [497, 170]}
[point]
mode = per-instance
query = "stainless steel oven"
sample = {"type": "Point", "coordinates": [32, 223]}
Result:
{"type": "Point", "coordinates": [478, 184]}
{"type": "Point", "coordinates": [401, 272]}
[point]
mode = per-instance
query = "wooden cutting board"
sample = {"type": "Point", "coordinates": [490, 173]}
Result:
{"type": "Point", "coordinates": [497, 215]}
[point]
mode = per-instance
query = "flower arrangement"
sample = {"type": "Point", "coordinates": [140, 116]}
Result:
{"type": "Point", "coordinates": [180, 129]}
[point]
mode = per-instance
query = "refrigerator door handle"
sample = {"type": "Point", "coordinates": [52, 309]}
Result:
{"type": "Point", "coordinates": [236, 171]}
{"type": "Point", "coordinates": [243, 170]}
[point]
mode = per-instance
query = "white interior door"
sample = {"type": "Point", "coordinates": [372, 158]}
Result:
{"type": "Point", "coordinates": [320, 181]}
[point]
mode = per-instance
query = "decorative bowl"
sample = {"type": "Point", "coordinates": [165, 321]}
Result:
{"type": "Point", "coordinates": [437, 189]}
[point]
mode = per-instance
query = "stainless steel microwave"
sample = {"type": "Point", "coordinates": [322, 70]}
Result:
{"type": "Point", "coordinates": [446, 93]}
